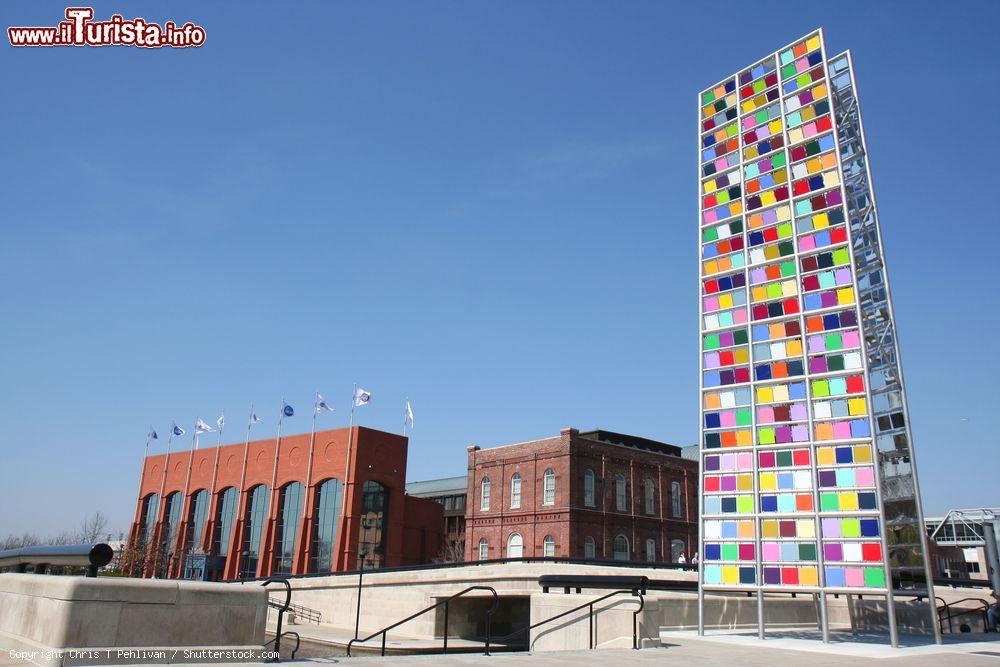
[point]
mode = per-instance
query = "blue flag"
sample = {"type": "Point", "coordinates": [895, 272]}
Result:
{"type": "Point", "coordinates": [287, 410]}
{"type": "Point", "coordinates": [178, 430]}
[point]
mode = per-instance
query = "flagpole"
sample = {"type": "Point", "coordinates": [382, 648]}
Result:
{"type": "Point", "coordinates": [347, 474]}
{"type": "Point", "coordinates": [277, 446]}
{"type": "Point", "coordinates": [405, 416]}
{"type": "Point", "coordinates": [312, 446]}
{"type": "Point", "coordinates": [246, 451]}
{"type": "Point", "coordinates": [215, 480]}
{"type": "Point", "coordinates": [142, 475]}
{"type": "Point", "coordinates": [179, 558]}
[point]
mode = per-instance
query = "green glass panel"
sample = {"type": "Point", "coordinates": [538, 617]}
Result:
{"type": "Point", "coordinates": [812, 148]}
{"type": "Point", "coordinates": [787, 269]}
{"type": "Point", "coordinates": [740, 337]}
{"type": "Point", "coordinates": [736, 227]}
{"type": "Point", "coordinates": [765, 435]}
{"type": "Point", "coordinates": [785, 248]}
{"type": "Point", "coordinates": [731, 130]}
{"type": "Point", "coordinates": [803, 80]}
{"type": "Point", "coordinates": [758, 85]}
{"type": "Point", "coordinates": [785, 230]}
{"type": "Point", "coordinates": [783, 459]}
{"type": "Point", "coordinates": [828, 502]}
{"type": "Point", "coordinates": [730, 552]}
{"type": "Point", "coordinates": [712, 342]}
{"type": "Point", "coordinates": [820, 388]}
{"type": "Point", "coordinates": [841, 257]}
{"type": "Point", "coordinates": [744, 504]}
{"type": "Point", "coordinates": [707, 97]}
{"type": "Point", "coordinates": [760, 117]}
{"type": "Point", "coordinates": [786, 72]}
{"type": "Point", "coordinates": [722, 196]}
{"type": "Point", "coordinates": [835, 363]}
{"type": "Point", "coordinates": [850, 527]}
{"type": "Point", "coordinates": [778, 160]}
{"type": "Point", "coordinates": [807, 551]}
{"type": "Point", "coordinates": [773, 291]}
{"type": "Point", "coordinates": [720, 105]}
{"type": "Point", "coordinates": [833, 342]}
{"type": "Point", "coordinates": [710, 234]}
{"type": "Point", "coordinates": [743, 417]}
{"type": "Point", "coordinates": [874, 577]}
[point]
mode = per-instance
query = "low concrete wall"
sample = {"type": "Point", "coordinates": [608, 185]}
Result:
{"type": "Point", "coordinates": [60, 620]}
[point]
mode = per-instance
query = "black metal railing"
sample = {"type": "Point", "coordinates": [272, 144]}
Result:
{"type": "Point", "coordinates": [445, 602]}
{"type": "Point", "coordinates": [282, 608]}
{"type": "Point", "coordinates": [589, 606]}
{"type": "Point", "coordinates": [946, 613]}
{"type": "Point", "coordinates": [41, 558]}
{"type": "Point", "coordinates": [305, 613]}
{"type": "Point", "coordinates": [502, 561]}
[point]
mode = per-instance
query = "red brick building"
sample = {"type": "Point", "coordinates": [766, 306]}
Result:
{"type": "Point", "coordinates": [220, 519]}
{"type": "Point", "coordinates": [594, 495]}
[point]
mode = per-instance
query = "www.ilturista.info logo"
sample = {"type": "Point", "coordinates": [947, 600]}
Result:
{"type": "Point", "coordinates": [81, 30]}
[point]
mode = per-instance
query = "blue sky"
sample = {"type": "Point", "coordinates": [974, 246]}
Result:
{"type": "Point", "coordinates": [487, 207]}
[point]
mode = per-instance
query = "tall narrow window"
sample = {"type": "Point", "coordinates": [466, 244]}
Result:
{"type": "Point", "coordinates": [515, 546]}
{"type": "Point", "coordinates": [289, 514]}
{"type": "Point", "coordinates": [549, 546]}
{"type": "Point", "coordinates": [374, 524]}
{"type": "Point", "coordinates": [484, 549]}
{"type": "Point", "coordinates": [515, 491]}
{"type": "Point", "coordinates": [225, 516]}
{"type": "Point", "coordinates": [651, 550]}
{"type": "Point", "coordinates": [326, 515]}
{"type": "Point", "coordinates": [589, 548]}
{"type": "Point", "coordinates": [196, 521]}
{"type": "Point", "coordinates": [649, 496]}
{"type": "Point", "coordinates": [675, 498]}
{"type": "Point", "coordinates": [253, 532]}
{"type": "Point", "coordinates": [620, 493]}
{"type": "Point", "coordinates": [620, 548]}
{"type": "Point", "coordinates": [484, 494]}
{"type": "Point", "coordinates": [676, 550]}
{"type": "Point", "coordinates": [175, 506]}
{"type": "Point", "coordinates": [588, 487]}
{"type": "Point", "coordinates": [150, 510]}
{"type": "Point", "coordinates": [549, 487]}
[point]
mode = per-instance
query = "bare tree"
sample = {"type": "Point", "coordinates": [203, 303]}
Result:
{"type": "Point", "coordinates": [93, 528]}
{"type": "Point", "coordinates": [452, 551]}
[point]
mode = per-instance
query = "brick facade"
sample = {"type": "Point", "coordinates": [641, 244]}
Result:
{"type": "Point", "coordinates": [569, 519]}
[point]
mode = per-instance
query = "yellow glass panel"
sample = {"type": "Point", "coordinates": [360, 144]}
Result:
{"type": "Point", "coordinates": [730, 574]}
{"type": "Point", "coordinates": [819, 92]}
{"type": "Point", "coordinates": [744, 483]}
{"type": "Point", "coordinates": [821, 221]}
{"type": "Point", "coordinates": [741, 356]}
{"type": "Point", "coordinates": [811, 44]}
{"type": "Point", "coordinates": [774, 126]}
{"type": "Point", "coordinates": [808, 114]}
{"type": "Point", "coordinates": [726, 301]}
{"type": "Point", "coordinates": [766, 199]}
{"type": "Point", "coordinates": [862, 454]}
{"type": "Point", "coordinates": [771, 252]}
{"type": "Point", "coordinates": [759, 293]}
{"type": "Point", "coordinates": [845, 296]}
{"type": "Point", "coordinates": [768, 528]}
{"type": "Point", "coordinates": [856, 406]}
{"type": "Point", "coordinates": [711, 267]}
{"type": "Point", "coordinates": [749, 106]}
{"type": "Point", "coordinates": [794, 347]}
{"type": "Point", "coordinates": [780, 176]}
{"type": "Point", "coordinates": [814, 165]}
{"type": "Point", "coordinates": [808, 576]}
{"type": "Point", "coordinates": [752, 152]}
{"type": "Point", "coordinates": [848, 501]}
{"type": "Point", "coordinates": [768, 481]}
{"type": "Point", "coordinates": [765, 394]}
{"type": "Point", "coordinates": [710, 186]}
{"type": "Point", "coordinates": [825, 456]}
{"type": "Point", "coordinates": [743, 439]}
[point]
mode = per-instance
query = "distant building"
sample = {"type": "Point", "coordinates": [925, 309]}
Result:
{"type": "Point", "coordinates": [590, 495]}
{"type": "Point", "coordinates": [450, 493]}
{"type": "Point", "coordinates": [241, 511]}
{"type": "Point", "coordinates": [958, 545]}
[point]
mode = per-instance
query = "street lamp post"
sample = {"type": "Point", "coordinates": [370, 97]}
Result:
{"type": "Point", "coordinates": [243, 565]}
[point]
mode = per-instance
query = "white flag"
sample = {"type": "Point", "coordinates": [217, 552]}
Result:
{"type": "Point", "coordinates": [221, 421]}
{"type": "Point", "coordinates": [409, 414]}
{"type": "Point", "coordinates": [152, 434]}
{"type": "Point", "coordinates": [321, 405]}
{"type": "Point", "coordinates": [254, 419]}
{"type": "Point", "coordinates": [361, 397]}
{"type": "Point", "coordinates": [202, 427]}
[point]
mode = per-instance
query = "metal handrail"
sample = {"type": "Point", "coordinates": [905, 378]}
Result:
{"type": "Point", "coordinates": [308, 614]}
{"type": "Point", "coordinates": [982, 608]}
{"type": "Point", "coordinates": [281, 614]}
{"type": "Point", "coordinates": [277, 642]}
{"type": "Point", "coordinates": [489, 619]}
{"type": "Point", "coordinates": [590, 615]}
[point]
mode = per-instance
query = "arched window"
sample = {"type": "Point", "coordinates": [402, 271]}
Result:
{"type": "Point", "coordinates": [326, 515]}
{"type": "Point", "coordinates": [289, 513]}
{"type": "Point", "coordinates": [484, 549]}
{"type": "Point", "coordinates": [651, 550]}
{"type": "Point", "coordinates": [589, 548]}
{"type": "Point", "coordinates": [374, 524]}
{"type": "Point", "coordinates": [150, 510]}
{"type": "Point", "coordinates": [225, 516]}
{"type": "Point", "coordinates": [515, 491]}
{"type": "Point", "coordinates": [549, 487]}
{"type": "Point", "coordinates": [620, 493]}
{"type": "Point", "coordinates": [649, 496]}
{"type": "Point", "coordinates": [675, 498]}
{"type": "Point", "coordinates": [515, 546]}
{"type": "Point", "coordinates": [620, 548]}
{"type": "Point", "coordinates": [676, 550]}
{"type": "Point", "coordinates": [588, 487]}
{"type": "Point", "coordinates": [175, 506]}
{"type": "Point", "coordinates": [196, 521]}
{"type": "Point", "coordinates": [549, 546]}
{"type": "Point", "coordinates": [484, 494]}
{"type": "Point", "coordinates": [253, 531]}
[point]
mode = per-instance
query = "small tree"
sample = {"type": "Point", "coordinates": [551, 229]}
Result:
{"type": "Point", "coordinates": [93, 528]}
